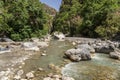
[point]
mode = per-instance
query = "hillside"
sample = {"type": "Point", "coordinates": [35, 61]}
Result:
{"type": "Point", "coordinates": [49, 10]}
{"type": "Point", "coordinates": [96, 18]}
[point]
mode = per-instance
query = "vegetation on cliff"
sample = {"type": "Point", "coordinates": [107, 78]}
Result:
{"type": "Point", "coordinates": [95, 18]}
{"type": "Point", "coordinates": [21, 19]}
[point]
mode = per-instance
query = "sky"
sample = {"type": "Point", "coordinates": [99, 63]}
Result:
{"type": "Point", "coordinates": [53, 3]}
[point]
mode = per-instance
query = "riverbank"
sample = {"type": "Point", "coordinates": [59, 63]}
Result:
{"type": "Point", "coordinates": [50, 61]}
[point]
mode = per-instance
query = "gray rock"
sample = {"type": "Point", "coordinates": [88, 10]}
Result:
{"type": "Point", "coordinates": [59, 35]}
{"type": "Point", "coordinates": [48, 78]}
{"type": "Point", "coordinates": [17, 77]}
{"type": "Point", "coordinates": [78, 54]}
{"type": "Point", "coordinates": [20, 72]}
{"type": "Point", "coordinates": [30, 75]}
{"type": "Point", "coordinates": [35, 39]}
{"type": "Point", "coordinates": [6, 40]}
{"type": "Point", "coordinates": [103, 46]}
{"type": "Point", "coordinates": [115, 55]}
{"type": "Point", "coordinates": [86, 46]}
{"type": "Point", "coordinates": [4, 50]}
{"type": "Point", "coordinates": [42, 44]}
{"type": "Point", "coordinates": [67, 78]}
{"type": "Point", "coordinates": [30, 46]}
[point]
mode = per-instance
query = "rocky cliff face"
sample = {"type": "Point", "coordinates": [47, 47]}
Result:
{"type": "Point", "coordinates": [51, 11]}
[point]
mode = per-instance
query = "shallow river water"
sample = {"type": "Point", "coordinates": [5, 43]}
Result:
{"type": "Point", "coordinates": [101, 67]}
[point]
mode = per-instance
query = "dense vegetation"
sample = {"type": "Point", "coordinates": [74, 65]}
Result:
{"type": "Point", "coordinates": [22, 19]}
{"type": "Point", "coordinates": [91, 18]}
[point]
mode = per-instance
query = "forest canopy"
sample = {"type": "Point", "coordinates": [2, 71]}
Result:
{"type": "Point", "coordinates": [90, 18]}
{"type": "Point", "coordinates": [22, 19]}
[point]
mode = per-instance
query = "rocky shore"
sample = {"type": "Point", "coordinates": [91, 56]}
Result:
{"type": "Point", "coordinates": [86, 47]}
{"type": "Point", "coordinates": [13, 54]}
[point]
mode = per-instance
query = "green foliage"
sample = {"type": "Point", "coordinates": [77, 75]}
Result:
{"type": "Point", "coordinates": [22, 19]}
{"type": "Point", "coordinates": [110, 27]}
{"type": "Point", "coordinates": [68, 19]}
{"type": "Point", "coordinates": [90, 18]}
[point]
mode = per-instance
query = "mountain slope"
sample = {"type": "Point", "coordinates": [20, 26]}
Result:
{"type": "Point", "coordinates": [88, 18]}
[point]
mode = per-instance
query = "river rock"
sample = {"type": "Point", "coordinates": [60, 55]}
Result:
{"type": "Point", "coordinates": [78, 54]}
{"type": "Point", "coordinates": [20, 72]}
{"type": "Point", "coordinates": [47, 38]}
{"type": "Point", "coordinates": [43, 54]}
{"type": "Point", "coordinates": [4, 49]}
{"type": "Point", "coordinates": [30, 75]}
{"type": "Point", "coordinates": [6, 40]}
{"type": "Point", "coordinates": [35, 39]}
{"type": "Point", "coordinates": [59, 35]}
{"type": "Point", "coordinates": [30, 46]}
{"type": "Point", "coordinates": [42, 44]}
{"type": "Point", "coordinates": [17, 77]}
{"type": "Point", "coordinates": [115, 55]}
{"type": "Point", "coordinates": [48, 78]}
{"type": "Point", "coordinates": [86, 46]}
{"type": "Point", "coordinates": [4, 78]}
{"type": "Point", "coordinates": [67, 78]}
{"type": "Point", "coordinates": [40, 69]}
{"type": "Point", "coordinates": [103, 47]}
{"type": "Point", "coordinates": [23, 79]}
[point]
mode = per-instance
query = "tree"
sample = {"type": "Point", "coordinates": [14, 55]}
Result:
{"type": "Point", "coordinates": [86, 17]}
{"type": "Point", "coordinates": [22, 19]}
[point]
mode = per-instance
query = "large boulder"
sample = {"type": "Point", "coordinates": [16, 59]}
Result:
{"type": "Point", "coordinates": [30, 46]}
{"type": "Point", "coordinates": [115, 54]}
{"type": "Point", "coordinates": [86, 46]}
{"type": "Point", "coordinates": [78, 54]}
{"type": "Point", "coordinates": [59, 35]}
{"type": "Point", "coordinates": [103, 47]}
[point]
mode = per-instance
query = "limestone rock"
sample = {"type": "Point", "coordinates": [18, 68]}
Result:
{"type": "Point", "coordinates": [30, 46]}
{"type": "Point", "coordinates": [30, 75]}
{"type": "Point", "coordinates": [78, 54]}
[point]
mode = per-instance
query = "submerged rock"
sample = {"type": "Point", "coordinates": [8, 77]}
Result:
{"type": "Point", "coordinates": [78, 54]}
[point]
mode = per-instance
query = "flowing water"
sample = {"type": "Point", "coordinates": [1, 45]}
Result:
{"type": "Point", "coordinates": [101, 67]}
{"type": "Point", "coordinates": [54, 55]}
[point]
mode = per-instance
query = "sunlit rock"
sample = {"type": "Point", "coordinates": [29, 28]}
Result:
{"type": "Point", "coordinates": [115, 55]}
{"type": "Point", "coordinates": [67, 78]}
{"type": "Point", "coordinates": [30, 75]}
{"type": "Point", "coordinates": [59, 35]}
{"type": "Point", "coordinates": [86, 46]}
{"type": "Point", "coordinates": [78, 54]}
{"type": "Point", "coordinates": [30, 46]}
